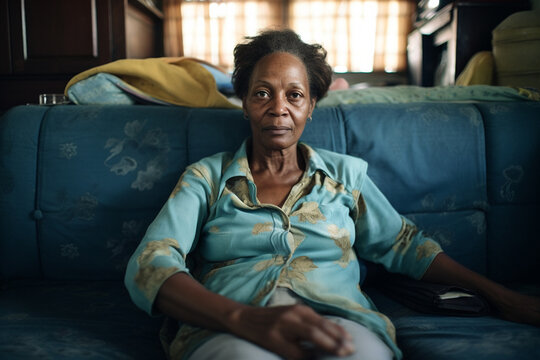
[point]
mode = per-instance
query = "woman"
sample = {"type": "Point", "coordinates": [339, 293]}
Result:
{"type": "Point", "coordinates": [275, 230]}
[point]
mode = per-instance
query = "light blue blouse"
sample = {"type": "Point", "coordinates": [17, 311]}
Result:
{"type": "Point", "coordinates": [244, 249]}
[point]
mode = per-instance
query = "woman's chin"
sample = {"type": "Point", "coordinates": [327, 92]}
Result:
{"type": "Point", "coordinates": [278, 143]}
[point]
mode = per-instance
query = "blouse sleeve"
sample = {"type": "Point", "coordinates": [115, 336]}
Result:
{"type": "Point", "coordinates": [385, 237]}
{"type": "Point", "coordinates": [169, 238]}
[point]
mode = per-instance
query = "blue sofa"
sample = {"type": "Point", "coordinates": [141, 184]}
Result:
{"type": "Point", "coordinates": [80, 184]}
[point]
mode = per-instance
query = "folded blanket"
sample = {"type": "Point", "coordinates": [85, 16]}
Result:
{"type": "Point", "coordinates": [410, 94]}
{"type": "Point", "coordinates": [176, 81]}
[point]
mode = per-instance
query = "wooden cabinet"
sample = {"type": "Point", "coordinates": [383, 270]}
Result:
{"type": "Point", "coordinates": [45, 43]}
{"type": "Point", "coordinates": [438, 49]}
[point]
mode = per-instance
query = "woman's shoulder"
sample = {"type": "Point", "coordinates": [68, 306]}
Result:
{"type": "Point", "coordinates": [211, 167]}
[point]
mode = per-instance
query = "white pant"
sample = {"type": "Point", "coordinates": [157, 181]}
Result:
{"type": "Point", "coordinates": [229, 347]}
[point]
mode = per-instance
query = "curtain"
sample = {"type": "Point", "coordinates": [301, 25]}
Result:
{"type": "Point", "coordinates": [172, 28]}
{"type": "Point", "coordinates": [212, 28]}
{"type": "Point", "coordinates": [359, 35]}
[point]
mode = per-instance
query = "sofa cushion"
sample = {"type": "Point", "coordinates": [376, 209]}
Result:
{"type": "Point", "coordinates": [103, 173]}
{"type": "Point", "coordinates": [210, 131]}
{"type": "Point", "coordinates": [96, 320]}
{"type": "Point", "coordinates": [19, 133]}
{"type": "Point", "coordinates": [433, 337]}
{"type": "Point", "coordinates": [513, 171]}
{"type": "Point", "coordinates": [429, 160]}
{"type": "Point", "coordinates": [75, 320]}
{"type": "Point", "coordinates": [451, 227]}
{"type": "Point", "coordinates": [422, 157]}
{"type": "Point", "coordinates": [513, 176]}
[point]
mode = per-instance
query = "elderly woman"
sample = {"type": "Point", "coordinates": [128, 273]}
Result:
{"type": "Point", "coordinates": [274, 233]}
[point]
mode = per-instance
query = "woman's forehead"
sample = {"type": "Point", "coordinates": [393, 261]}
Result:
{"type": "Point", "coordinates": [280, 64]}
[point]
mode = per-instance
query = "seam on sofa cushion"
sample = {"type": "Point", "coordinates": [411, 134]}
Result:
{"type": "Point", "coordinates": [187, 137]}
{"type": "Point", "coordinates": [38, 214]}
{"type": "Point", "coordinates": [343, 128]}
{"type": "Point", "coordinates": [484, 153]}
{"type": "Point", "coordinates": [486, 190]}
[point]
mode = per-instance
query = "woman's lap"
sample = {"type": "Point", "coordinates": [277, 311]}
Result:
{"type": "Point", "coordinates": [226, 346]}
{"type": "Point", "coordinates": [367, 344]}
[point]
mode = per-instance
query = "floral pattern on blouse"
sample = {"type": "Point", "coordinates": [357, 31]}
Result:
{"type": "Point", "coordinates": [334, 216]}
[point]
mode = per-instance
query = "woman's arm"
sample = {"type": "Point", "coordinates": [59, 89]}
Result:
{"type": "Point", "coordinates": [509, 304]}
{"type": "Point", "coordinates": [398, 250]}
{"type": "Point", "coordinates": [281, 329]}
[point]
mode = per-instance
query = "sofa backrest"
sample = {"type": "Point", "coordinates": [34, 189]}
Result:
{"type": "Point", "coordinates": [80, 184]}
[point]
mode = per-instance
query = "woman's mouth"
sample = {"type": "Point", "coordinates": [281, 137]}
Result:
{"type": "Point", "coordinates": [276, 130]}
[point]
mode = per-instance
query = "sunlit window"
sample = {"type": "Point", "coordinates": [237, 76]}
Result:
{"type": "Point", "coordinates": [211, 29]}
{"type": "Point", "coordinates": [359, 35]}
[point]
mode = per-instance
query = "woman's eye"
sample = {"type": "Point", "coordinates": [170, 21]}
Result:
{"type": "Point", "coordinates": [261, 94]}
{"type": "Point", "coordinates": [296, 95]}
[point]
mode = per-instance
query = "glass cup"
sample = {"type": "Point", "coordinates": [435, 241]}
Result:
{"type": "Point", "coordinates": [53, 99]}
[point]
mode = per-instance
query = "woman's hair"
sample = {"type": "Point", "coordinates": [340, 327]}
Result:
{"type": "Point", "coordinates": [267, 42]}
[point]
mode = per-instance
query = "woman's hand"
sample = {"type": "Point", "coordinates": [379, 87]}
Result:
{"type": "Point", "coordinates": [509, 304]}
{"type": "Point", "coordinates": [517, 307]}
{"type": "Point", "coordinates": [293, 332]}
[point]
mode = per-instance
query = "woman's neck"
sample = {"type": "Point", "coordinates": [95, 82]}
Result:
{"type": "Point", "coordinates": [276, 162]}
{"type": "Point", "coordinates": [275, 173]}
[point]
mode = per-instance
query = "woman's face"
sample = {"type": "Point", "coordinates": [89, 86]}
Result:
{"type": "Point", "coordinates": [278, 101]}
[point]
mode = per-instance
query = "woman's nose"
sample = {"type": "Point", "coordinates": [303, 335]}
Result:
{"type": "Point", "coordinates": [279, 106]}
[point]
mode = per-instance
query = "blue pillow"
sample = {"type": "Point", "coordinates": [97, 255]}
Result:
{"type": "Point", "coordinates": [223, 80]}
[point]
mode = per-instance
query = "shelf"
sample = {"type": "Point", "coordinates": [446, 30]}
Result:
{"type": "Point", "coordinates": [438, 49]}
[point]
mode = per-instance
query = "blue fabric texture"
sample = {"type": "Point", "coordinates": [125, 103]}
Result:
{"type": "Point", "coordinates": [79, 185]}
{"type": "Point", "coordinates": [74, 320]}
{"type": "Point", "coordinates": [19, 141]}
{"type": "Point", "coordinates": [513, 174]}
{"type": "Point", "coordinates": [223, 80]}
{"type": "Point", "coordinates": [418, 94]}
{"type": "Point", "coordinates": [424, 337]}
{"type": "Point", "coordinates": [406, 145]}
{"type": "Point", "coordinates": [102, 88]}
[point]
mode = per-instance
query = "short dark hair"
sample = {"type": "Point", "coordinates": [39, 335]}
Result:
{"type": "Point", "coordinates": [313, 56]}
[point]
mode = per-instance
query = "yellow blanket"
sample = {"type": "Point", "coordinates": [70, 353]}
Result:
{"type": "Point", "coordinates": [178, 81]}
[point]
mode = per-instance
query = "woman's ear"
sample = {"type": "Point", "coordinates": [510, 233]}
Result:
{"type": "Point", "coordinates": [313, 101]}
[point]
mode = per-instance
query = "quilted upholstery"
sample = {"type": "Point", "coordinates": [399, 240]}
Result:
{"type": "Point", "coordinates": [80, 184]}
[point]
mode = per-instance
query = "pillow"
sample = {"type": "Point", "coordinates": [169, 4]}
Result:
{"type": "Point", "coordinates": [99, 89]}
{"type": "Point", "coordinates": [412, 94]}
{"type": "Point", "coordinates": [223, 80]}
{"type": "Point", "coordinates": [105, 88]}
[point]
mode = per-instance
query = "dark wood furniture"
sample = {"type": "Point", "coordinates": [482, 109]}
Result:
{"type": "Point", "coordinates": [44, 43]}
{"type": "Point", "coordinates": [439, 48]}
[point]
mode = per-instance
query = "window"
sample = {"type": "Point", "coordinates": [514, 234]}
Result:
{"type": "Point", "coordinates": [359, 35]}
